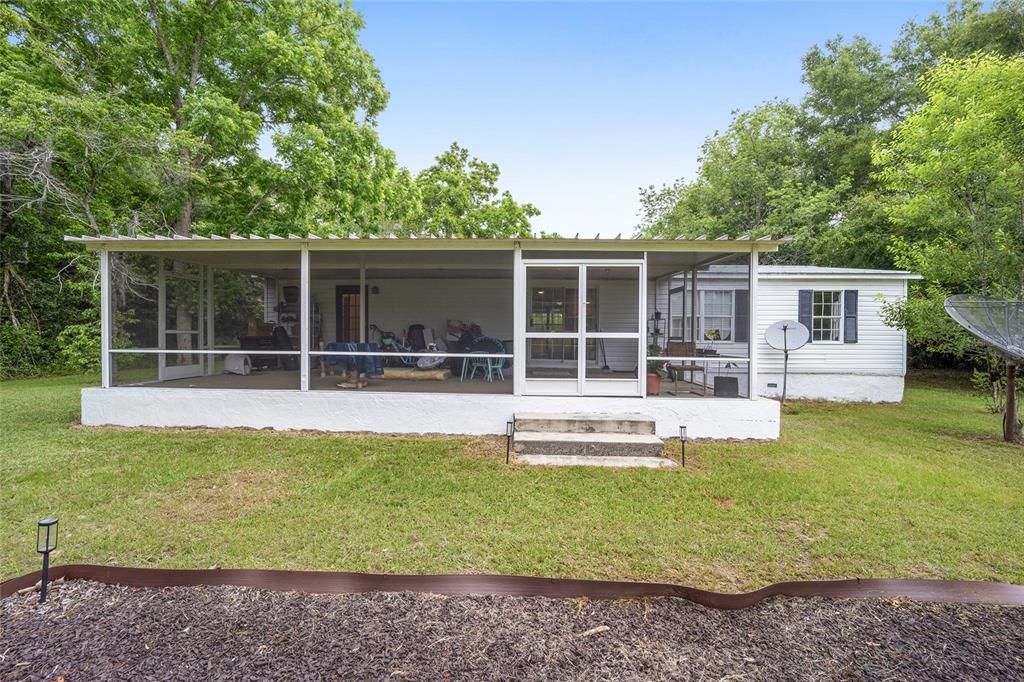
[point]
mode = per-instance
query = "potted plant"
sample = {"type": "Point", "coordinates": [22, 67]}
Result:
{"type": "Point", "coordinates": [654, 369]}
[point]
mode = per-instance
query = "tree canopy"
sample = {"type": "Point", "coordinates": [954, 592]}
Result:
{"type": "Point", "coordinates": [461, 199]}
{"type": "Point", "coordinates": [197, 117]}
{"type": "Point", "coordinates": [908, 157]}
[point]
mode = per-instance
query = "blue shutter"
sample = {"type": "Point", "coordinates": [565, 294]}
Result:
{"type": "Point", "coordinates": [741, 316]}
{"type": "Point", "coordinates": [850, 316]}
{"type": "Point", "coordinates": [805, 309]}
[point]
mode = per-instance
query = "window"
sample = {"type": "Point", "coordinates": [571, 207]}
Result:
{"type": "Point", "coordinates": [716, 317]}
{"type": "Point", "coordinates": [715, 314]}
{"type": "Point", "coordinates": [827, 316]}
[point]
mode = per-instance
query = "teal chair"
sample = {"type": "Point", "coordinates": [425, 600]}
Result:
{"type": "Point", "coordinates": [490, 368]}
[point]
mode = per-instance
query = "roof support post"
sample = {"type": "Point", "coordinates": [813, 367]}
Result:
{"type": "Point", "coordinates": [306, 311]}
{"type": "Point", "coordinates": [694, 301]}
{"type": "Point", "coordinates": [518, 321]}
{"type": "Point", "coordinates": [753, 388]}
{"type": "Point", "coordinates": [362, 304]}
{"type": "Point", "coordinates": [641, 369]}
{"type": "Point", "coordinates": [211, 360]}
{"type": "Point", "coordinates": [105, 319]}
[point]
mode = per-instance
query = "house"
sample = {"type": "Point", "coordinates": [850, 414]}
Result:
{"type": "Point", "coordinates": [852, 354]}
{"type": "Point", "coordinates": [307, 333]}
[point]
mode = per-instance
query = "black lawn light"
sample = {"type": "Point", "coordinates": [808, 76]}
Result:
{"type": "Point", "coordinates": [46, 542]}
{"type": "Point", "coordinates": [509, 429]}
{"type": "Point", "coordinates": [682, 446]}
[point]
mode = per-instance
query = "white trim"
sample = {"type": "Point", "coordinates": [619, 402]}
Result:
{"type": "Point", "coordinates": [363, 294]}
{"type": "Point", "coordinates": [641, 367]}
{"type": "Point", "coordinates": [305, 310]}
{"type": "Point", "coordinates": [518, 321]}
{"type": "Point", "coordinates": [161, 317]}
{"type": "Point", "coordinates": [105, 319]}
{"type": "Point", "coordinates": [211, 337]}
{"type": "Point", "coordinates": [224, 351]}
{"type": "Point", "coordinates": [752, 314]}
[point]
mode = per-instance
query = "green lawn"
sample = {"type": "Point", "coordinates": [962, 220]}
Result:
{"type": "Point", "coordinates": [923, 489]}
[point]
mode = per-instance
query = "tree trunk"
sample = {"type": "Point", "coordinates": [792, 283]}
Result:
{"type": "Point", "coordinates": [1010, 434]}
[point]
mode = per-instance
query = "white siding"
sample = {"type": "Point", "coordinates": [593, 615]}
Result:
{"type": "Point", "coordinates": [880, 350]}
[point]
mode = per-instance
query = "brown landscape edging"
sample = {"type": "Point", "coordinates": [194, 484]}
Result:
{"type": "Point", "coordinates": [956, 591]}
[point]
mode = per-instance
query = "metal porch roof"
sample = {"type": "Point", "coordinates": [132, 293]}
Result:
{"type": "Point", "coordinates": [137, 242]}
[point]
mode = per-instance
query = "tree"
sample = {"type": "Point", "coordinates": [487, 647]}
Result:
{"type": "Point", "coordinates": [955, 168]}
{"type": "Point", "coordinates": [752, 179]}
{"type": "Point", "coordinates": [461, 198]}
{"type": "Point", "coordinates": [199, 84]}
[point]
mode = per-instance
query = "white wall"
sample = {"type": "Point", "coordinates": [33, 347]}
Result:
{"type": "Point", "coordinates": [430, 302]}
{"type": "Point", "coordinates": [870, 370]}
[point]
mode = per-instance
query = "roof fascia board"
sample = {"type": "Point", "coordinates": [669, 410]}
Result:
{"type": "Point", "coordinates": [840, 275]}
{"type": "Point", "coordinates": [134, 244]}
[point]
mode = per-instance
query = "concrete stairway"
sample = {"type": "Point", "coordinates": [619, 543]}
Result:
{"type": "Point", "coordinates": [588, 439]}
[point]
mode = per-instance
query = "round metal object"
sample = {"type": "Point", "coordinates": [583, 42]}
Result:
{"type": "Point", "coordinates": [787, 335]}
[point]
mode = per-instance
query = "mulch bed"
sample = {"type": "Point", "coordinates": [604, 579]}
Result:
{"type": "Point", "coordinates": [94, 631]}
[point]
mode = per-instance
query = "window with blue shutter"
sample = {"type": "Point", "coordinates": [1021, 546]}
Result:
{"type": "Point", "coordinates": [850, 316]}
{"type": "Point", "coordinates": [805, 307]}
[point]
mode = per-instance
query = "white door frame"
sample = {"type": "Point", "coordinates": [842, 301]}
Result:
{"type": "Point", "coordinates": [580, 385]}
{"type": "Point", "coordinates": [165, 371]}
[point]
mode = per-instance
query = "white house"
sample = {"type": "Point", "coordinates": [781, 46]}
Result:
{"type": "Point", "coordinates": [852, 356]}
{"type": "Point", "coordinates": [296, 333]}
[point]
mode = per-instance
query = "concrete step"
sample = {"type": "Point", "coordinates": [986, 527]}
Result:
{"type": "Point", "coordinates": [584, 460]}
{"type": "Point", "coordinates": [579, 422]}
{"type": "Point", "coordinates": [587, 444]}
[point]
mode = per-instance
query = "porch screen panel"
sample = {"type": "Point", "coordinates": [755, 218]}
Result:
{"type": "Point", "coordinates": [617, 291]}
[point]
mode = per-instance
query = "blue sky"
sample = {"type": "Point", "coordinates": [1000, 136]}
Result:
{"type": "Point", "coordinates": [581, 103]}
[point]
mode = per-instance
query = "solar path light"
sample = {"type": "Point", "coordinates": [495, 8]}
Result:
{"type": "Point", "coordinates": [46, 542]}
{"type": "Point", "coordinates": [682, 446]}
{"type": "Point", "coordinates": [509, 429]}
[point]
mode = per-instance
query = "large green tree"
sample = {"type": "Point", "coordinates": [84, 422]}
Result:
{"type": "Point", "coordinates": [202, 87]}
{"type": "Point", "coordinates": [752, 179]}
{"type": "Point", "coordinates": [955, 171]}
{"type": "Point", "coordinates": [461, 198]}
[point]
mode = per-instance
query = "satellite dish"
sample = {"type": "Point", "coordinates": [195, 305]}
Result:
{"type": "Point", "coordinates": [999, 325]}
{"type": "Point", "coordinates": [786, 335]}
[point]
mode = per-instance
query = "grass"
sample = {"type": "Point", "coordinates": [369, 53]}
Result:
{"type": "Point", "coordinates": [922, 489]}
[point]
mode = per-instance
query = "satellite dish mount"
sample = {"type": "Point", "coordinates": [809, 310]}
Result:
{"type": "Point", "coordinates": [786, 335]}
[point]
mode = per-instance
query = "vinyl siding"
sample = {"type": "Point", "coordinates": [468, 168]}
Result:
{"type": "Point", "coordinates": [880, 350]}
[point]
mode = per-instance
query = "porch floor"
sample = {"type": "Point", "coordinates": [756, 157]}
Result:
{"type": "Point", "coordinates": [289, 380]}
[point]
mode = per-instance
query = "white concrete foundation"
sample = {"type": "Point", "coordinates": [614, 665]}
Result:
{"type": "Point", "coordinates": [409, 413]}
{"type": "Point", "coordinates": [836, 387]}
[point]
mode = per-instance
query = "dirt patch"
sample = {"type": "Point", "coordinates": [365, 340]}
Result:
{"type": "Point", "coordinates": [223, 496]}
{"type": "Point", "coordinates": [720, 500]}
{"type": "Point", "coordinates": [89, 631]}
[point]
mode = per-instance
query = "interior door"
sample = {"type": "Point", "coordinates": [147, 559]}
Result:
{"type": "Point", "coordinates": [583, 334]}
{"type": "Point", "coordinates": [181, 322]}
{"type": "Point", "coordinates": [348, 310]}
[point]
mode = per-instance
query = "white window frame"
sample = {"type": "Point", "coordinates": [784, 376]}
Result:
{"type": "Point", "coordinates": [838, 316]}
{"type": "Point", "coordinates": [701, 316]}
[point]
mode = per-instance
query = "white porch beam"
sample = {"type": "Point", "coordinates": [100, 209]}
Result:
{"type": "Point", "coordinates": [305, 313]}
{"type": "Point", "coordinates": [362, 304]}
{"type": "Point", "coordinates": [211, 337]}
{"type": "Point", "coordinates": [105, 319]}
{"type": "Point", "coordinates": [518, 322]}
{"type": "Point", "coordinates": [752, 385]}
